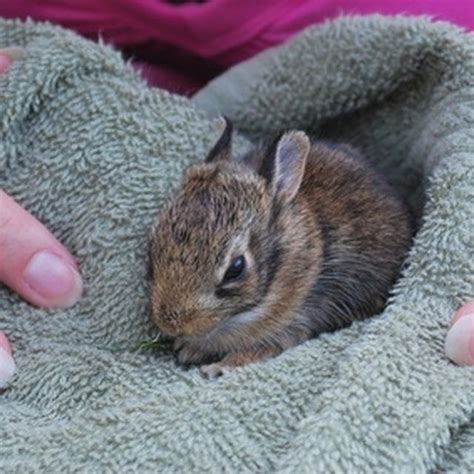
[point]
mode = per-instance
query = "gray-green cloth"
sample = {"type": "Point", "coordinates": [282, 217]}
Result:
{"type": "Point", "coordinates": [92, 152]}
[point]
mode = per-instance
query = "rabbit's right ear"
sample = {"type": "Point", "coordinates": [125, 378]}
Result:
{"type": "Point", "coordinates": [284, 165]}
{"type": "Point", "coordinates": [222, 150]}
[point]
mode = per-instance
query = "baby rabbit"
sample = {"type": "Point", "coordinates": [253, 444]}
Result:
{"type": "Point", "coordinates": [254, 256]}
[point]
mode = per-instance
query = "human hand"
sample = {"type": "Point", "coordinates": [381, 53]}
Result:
{"type": "Point", "coordinates": [7, 364]}
{"type": "Point", "coordinates": [32, 262]}
{"type": "Point", "coordinates": [34, 265]}
{"type": "Point", "coordinates": [459, 345]}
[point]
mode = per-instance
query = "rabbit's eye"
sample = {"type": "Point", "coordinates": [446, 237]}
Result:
{"type": "Point", "coordinates": [235, 270]}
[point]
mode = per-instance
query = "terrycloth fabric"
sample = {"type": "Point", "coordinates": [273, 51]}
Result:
{"type": "Point", "coordinates": [92, 152]}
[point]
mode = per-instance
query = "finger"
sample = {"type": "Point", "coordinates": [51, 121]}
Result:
{"type": "Point", "coordinates": [468, 308]}
{"type": "Point", "coordinates": [459, 345]}
{"type": "Point", "coordinates": [32, 262]}
{"type": "Point", "coordinates": [4, 343]}
{"type": "Point", "coordinates": [7, 365]}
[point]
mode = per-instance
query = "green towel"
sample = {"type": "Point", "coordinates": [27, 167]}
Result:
{"type": "Point", "coordinates": [92, 152]}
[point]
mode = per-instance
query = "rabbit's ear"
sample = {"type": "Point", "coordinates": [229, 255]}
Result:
{"type": "Point", "coordinates": [222, 150]}
{"type": "Point", "coordinates": [283, 168]}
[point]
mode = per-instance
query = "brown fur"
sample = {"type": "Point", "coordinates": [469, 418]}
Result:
{"type": "Point", "coordinates": [322, 250]}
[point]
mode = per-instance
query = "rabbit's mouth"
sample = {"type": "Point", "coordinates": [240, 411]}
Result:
{"type": "Point", "coordinates": [217, 335]}
{"type": "Point", "coordinates": [232, 325]}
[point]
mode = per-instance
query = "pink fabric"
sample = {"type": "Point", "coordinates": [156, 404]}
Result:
{"type": "Point", "coordinates": [181, 47]}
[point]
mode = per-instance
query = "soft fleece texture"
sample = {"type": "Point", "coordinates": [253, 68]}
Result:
{"type": "Point", "coordinates": [92, 152]}
{"type": "Point", "coordinates": [180, 47]}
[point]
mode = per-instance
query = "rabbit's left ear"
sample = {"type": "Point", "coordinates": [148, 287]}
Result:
{"type": "Point", "coordinates": [222, 150]}
{"type": "Point", "coordinates": [284, 168]}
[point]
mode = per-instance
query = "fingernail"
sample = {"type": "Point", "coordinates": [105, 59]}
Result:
{"type": "Point", "coordinates": [7, 367]}
{"type": "Point", "coordinates": [459, 345]}
{"type": "Point", "coordinates": [53, 279]}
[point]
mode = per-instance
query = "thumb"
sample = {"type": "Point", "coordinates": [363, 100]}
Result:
{"type": "Point", "coordinates": [32, 262]}
{"type": "Point", "coordinates": [7, 365]}
{"type": "Point", "coordinates": [459, 345]}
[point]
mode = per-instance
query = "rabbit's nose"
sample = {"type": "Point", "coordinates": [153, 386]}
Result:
{"type": "Point", "coordinates": [170, 319]}
{"type": "Point", "coordinates": [166, 321]}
